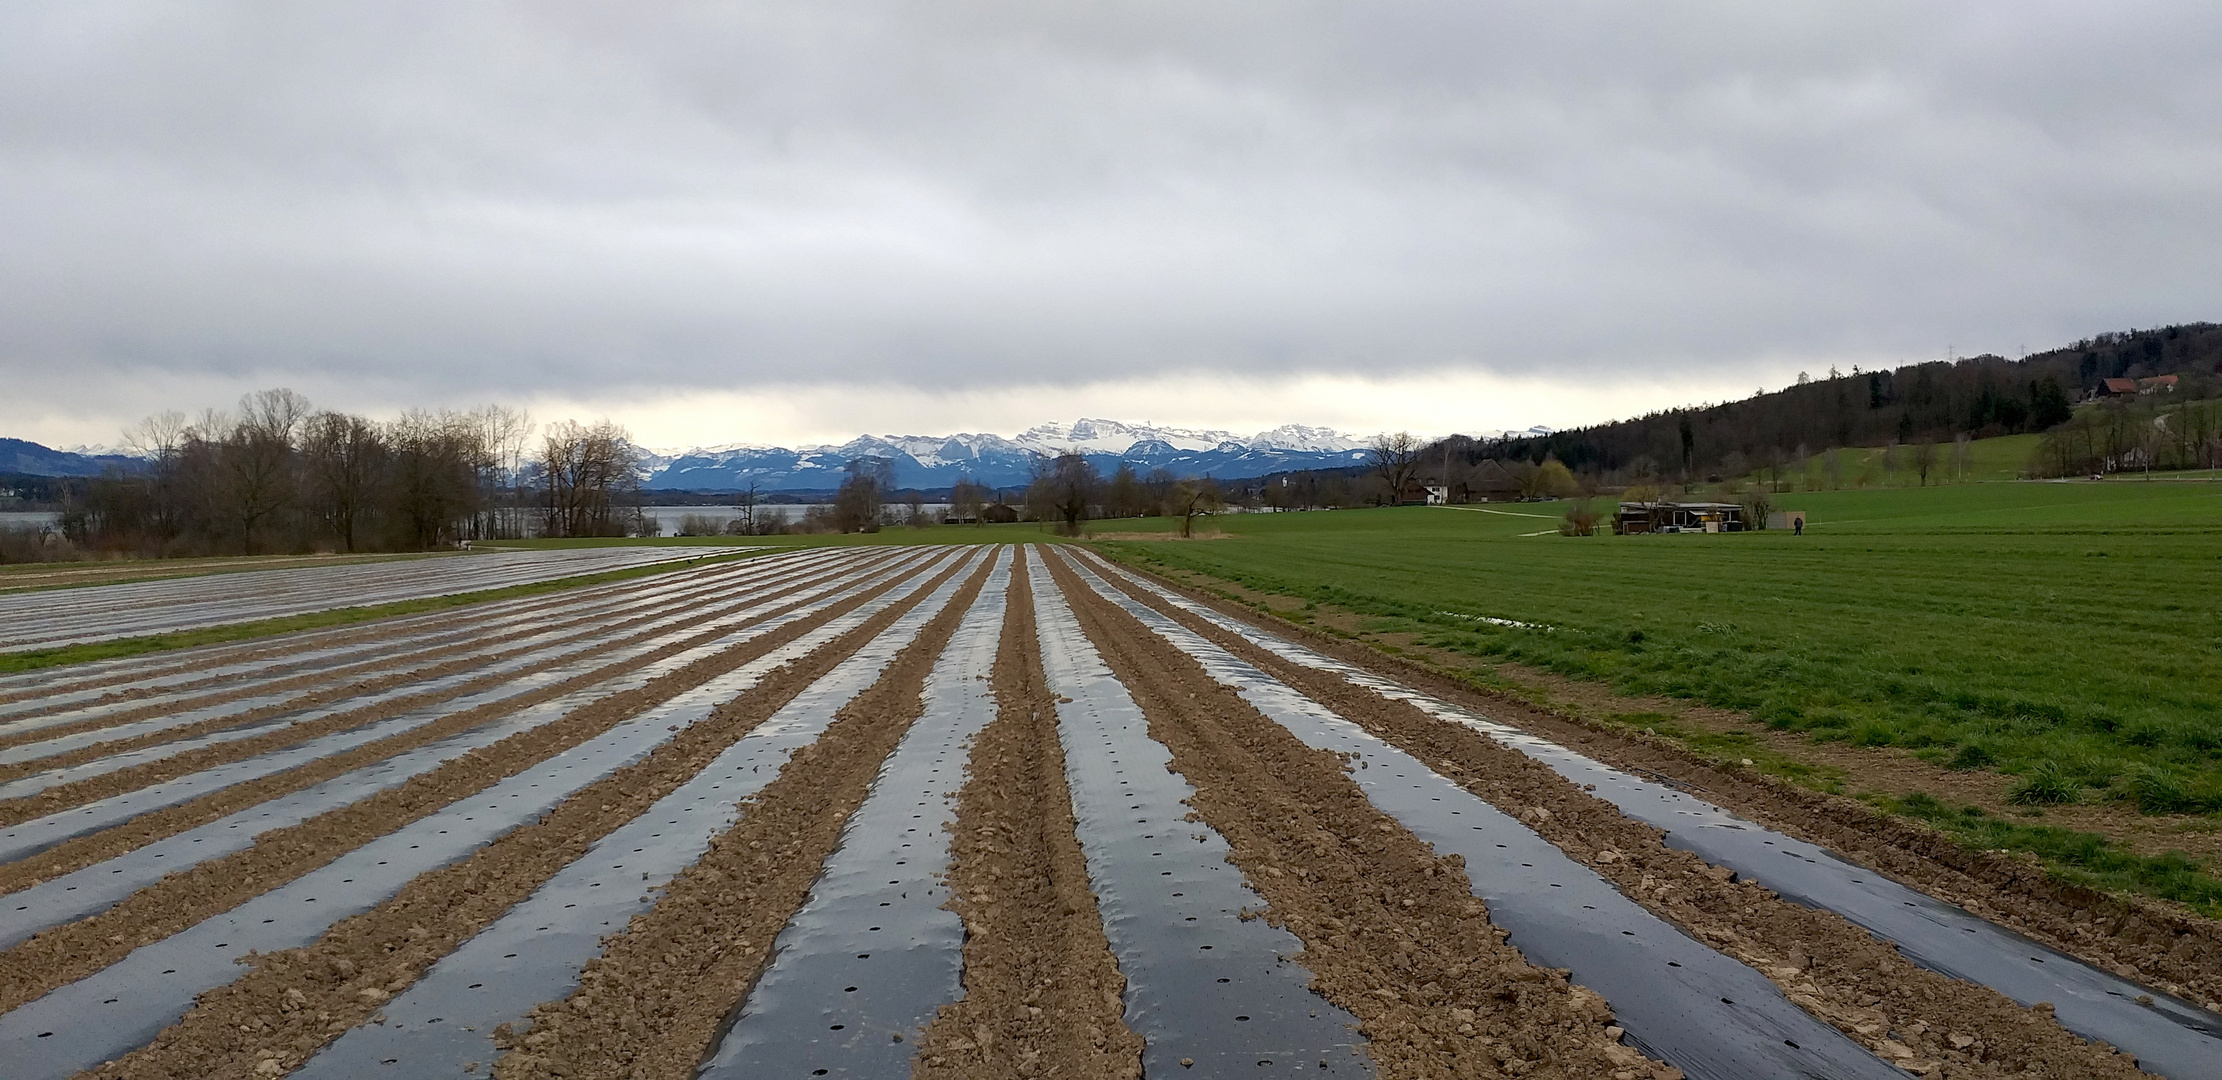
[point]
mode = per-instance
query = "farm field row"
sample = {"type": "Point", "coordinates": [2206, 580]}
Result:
{"type": "Point", "coordinates": [949, 811]}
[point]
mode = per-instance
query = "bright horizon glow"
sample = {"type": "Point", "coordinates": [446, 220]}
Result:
{"type": "Point", "coordinates": [1463, 402]}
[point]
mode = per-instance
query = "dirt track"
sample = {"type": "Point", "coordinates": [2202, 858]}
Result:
{"type": "Point", "coordinates": [1385, 928]}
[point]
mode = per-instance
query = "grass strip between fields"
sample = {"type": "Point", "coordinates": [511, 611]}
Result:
{"type": "Point", "coordinates": [34, 660]}
{"type": "Point", "coordinates": [2078, 857]}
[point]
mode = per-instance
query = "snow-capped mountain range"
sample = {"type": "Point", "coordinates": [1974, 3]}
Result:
{"type": "Point", "coordinates": [930, 461]}
{"type": "Point", "coordinates": [923, 461]}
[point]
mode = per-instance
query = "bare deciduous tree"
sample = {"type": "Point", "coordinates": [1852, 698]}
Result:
{"type": "Point", "coordinates": [1193, 499]}
{"type": "Point", "coordinates": [1396, 460]}
{"type": "Point", "coordinates": [744, 523]}
{"type": "Point", "coordinates": [1123, 496]}
{"type": "Point", "coordinates": [856, 506]}
{"type": "Point", "coordinates": [967, 501]}
{"type": "Point", "coordinates": [1070, 488]}
{"type": "Point", "coordinates": [344, 457]}
{"type": "Point", "coordinates": [1924, 458]}
{"type": "Point", "coordinates": [258, 459]}
{"type": "Point", "coordinates": [590, 474]}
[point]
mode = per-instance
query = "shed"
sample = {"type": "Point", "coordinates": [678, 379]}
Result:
{"type": "Point", "coordinates": [1786, 519]}
{"type": "Point", "coordinates": [1673, 517]}
{"type": "Point", "coordinates": [998, 513]}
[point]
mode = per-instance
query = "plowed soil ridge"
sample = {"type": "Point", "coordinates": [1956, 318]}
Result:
{"type": "Point", "coordinates": [1206, 984]}
{"type": "Point", "coordinates": [821, 1005]}
{"type": "Point", "coordinates": [534, 951]}
{"type": "Point", "coordinates": [663, 990]}
{"type": "Point", "coordinates": [1391, 932]}
{"type": "Point", "coordinates": [1043, 995]}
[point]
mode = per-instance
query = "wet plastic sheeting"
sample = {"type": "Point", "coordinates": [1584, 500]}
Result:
{"type": "Point", "coordinates": [589, 650]}
{"type": "Point", "coordinates": [447, 644]}
{"type": "Point", "coordinates": [1202, 983]}
{"type": "Point", "coordinates": [861, 969]}
{"type": "Point", "coordinates": [534, 952]}
{"type": "Point", "coordinates": [2170, 1037]}
{"type": "Point", "coordinates": [58, 617]}
{"type": "Point", "coordinates": [386, 657]}
{"type": "Point", "coordinates": [1680, 1001]}
{"type": "Point", "coordinates": [104, 884]}
{"type": "Point", "coordinates": [121, 1006]}
{"type": "Point", "coordinates": [157, 676]}
{"type": "Point", "coordinates": [36, 835]}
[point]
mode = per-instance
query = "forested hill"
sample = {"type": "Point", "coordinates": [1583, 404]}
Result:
{"type": "Point", "coordinates": [1981, 396]}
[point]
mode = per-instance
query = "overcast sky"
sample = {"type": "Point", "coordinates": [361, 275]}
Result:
{"type": "Point", "coordinates": [781, 222]}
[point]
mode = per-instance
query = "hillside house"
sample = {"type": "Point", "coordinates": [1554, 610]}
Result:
{"type": "Point", "coordinates": [1673, 517]}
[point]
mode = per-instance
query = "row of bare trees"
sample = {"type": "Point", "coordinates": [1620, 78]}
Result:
{"type": "Point", "coordinates": [2141, 434]}
{"type": "Point", "coordinates": [280, 475]}
{"type": "Point", "coordinates": [1065, 490]}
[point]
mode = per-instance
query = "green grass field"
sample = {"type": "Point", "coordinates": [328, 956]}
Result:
{"type": "Point", "coordinates": [2067, 633]}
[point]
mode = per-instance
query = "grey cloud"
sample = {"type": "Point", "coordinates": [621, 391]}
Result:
{"type": "Point", "coordinates": [463, 199]}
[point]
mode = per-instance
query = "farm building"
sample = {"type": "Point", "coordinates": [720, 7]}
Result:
{"type": "Point", "coordinates": [1492, 482]}
{"type": "Point", "coordinates": [1651, 517]}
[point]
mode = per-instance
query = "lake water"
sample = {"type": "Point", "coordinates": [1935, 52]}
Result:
{"type": "Point", "coordinates": [28, 519]}
{"type": "Point", "coordinates": [670, 516]}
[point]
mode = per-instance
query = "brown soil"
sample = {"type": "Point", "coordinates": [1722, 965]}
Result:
{"type": "Point", "coordinates": [653, 1003]}
{"type": "Point", "coordinates": [1043, 996]}
{"type": "Point", "coordinates": [2149, 940]}
{"type": "Point", "coordinates": [179, 900]}
{"type": "Point", "coordinates": [291, 1003]}
{"type": "Point", "coordinates": [1834, 969]}
{"type": "Point", "coordinates": [94, 788]}
{"type": "Point", "coordinates": [1391, 932]}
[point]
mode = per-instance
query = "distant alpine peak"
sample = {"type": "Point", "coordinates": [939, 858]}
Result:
{"type": "Point", "coordinates": [1089, 435]}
